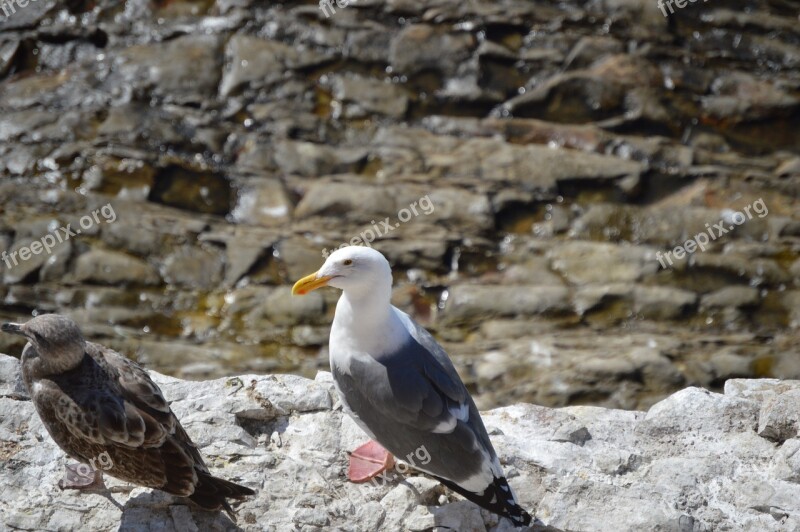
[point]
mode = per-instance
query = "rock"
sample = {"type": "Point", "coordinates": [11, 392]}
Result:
{"type": "Point", "coordinates": [659, 303]}
{"type": "Point", "coordinates": [282, 308]}
{"type": "Point", "coordinates": [791, 301]}
{"type": "Point", "coordinates": [534, 166]}
{"type": "Point", "coordinates": [260, 61]}
{"type": "Point", "coordinates": [566, 146]}
{"type": "Point", "coordinates": [8, 49]}
{"type": "Point", "coordinates": [193, 189]}
{"type": "Point", "coordinates": [591, 98]}
{"type": "Point", "coordinates": [740, 94]}
{"type": "Point", "coordinates": [581, 468]}
{"type": "Point", "coordinates": [645, 16]}
{"type": "Point", "coordinates": [756, 271]}
{"type": "Point", "coordinates": [591, 297]}
{"type": "Point", "coordinates": [631, 70]}
{"type": "Point", "coordinates": [534, 270]}
{"type": "Point", "coordinates": [589, 49]}
{"type": "Point", "coordinates": [779, 419]}
{"type": "Point", "coordinates": [420, 47]}
{"type": "Point", "coordinates": [341, 199]}
{"type": "Point", "coordinates": [264, 202]}
{"type": "Point", "coordinates": [731, 296]}
{"type": "Point", "coordinates": [370, 45]}
{"type": "Point", "coordinates": [25, 258]}
{"type": "Point", "coordinates": [310, 159]}
{"type": "Point", "coordinates": [362, 96]}
{"type": "Point", "coordinates": [301, 255]}
{"type": "Point", "coordinates": [23, 122]}
{"type": "Point", "coordinates": [460, 515]}
{"type": "Point", "coordinates": [11, 382]}
{"type": "Point", "coordinates": [726, 364]}
{"type": "Point", "coordinates": [57, 264]}
{"type": "Point", "coordinates": [447, 206]}
{"type": "Point", "coordinates": [142, 238]}
{"type": "Point", "coordinates": [192, 267]}
{"type": "Point", "coordinates": [111, 267]}
{"type": "Point", "coordinates": [28, 14]}
{"type": "Point", "coordinates": [186, 68]}
{"type": "Point", "coordinates": [471, 301]}
{"type": "Point", "coordinates": [405, 500]}
{"type": "Point", "coordinates": [590, 262]}
{"type": "Point", "coordinates": [787, 463]}
{"type": "Point", "coordinates": [244, 251]}
{"type": "Point", "coordinates": [668, 226]}
{"type": "Point", "coordinates": [701, 410]}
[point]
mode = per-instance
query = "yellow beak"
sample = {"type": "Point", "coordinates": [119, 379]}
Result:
{"type": "Point", "coordinates": [309, 283]}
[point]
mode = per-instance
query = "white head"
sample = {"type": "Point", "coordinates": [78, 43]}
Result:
{"type": "Point", "coordinates": [357, 270]}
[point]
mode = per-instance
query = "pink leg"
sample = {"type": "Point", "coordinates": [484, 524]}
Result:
{"type": "Point", "coordinates": [369, 461]}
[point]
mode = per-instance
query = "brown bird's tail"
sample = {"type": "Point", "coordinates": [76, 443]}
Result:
{"type": "Point", "coordinates": [212, 493]}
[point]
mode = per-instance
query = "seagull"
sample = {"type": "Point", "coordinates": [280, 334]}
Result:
{"type": "Point", "coordinates": [103, 409]}
{"type": "Point", "coordinates": [400, 387]}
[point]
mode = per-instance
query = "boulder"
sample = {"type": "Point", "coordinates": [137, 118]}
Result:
{"type": "Point", "coordinates": [695, 461]}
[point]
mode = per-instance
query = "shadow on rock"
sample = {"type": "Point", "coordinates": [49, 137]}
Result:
{"type": "Point", "coordinates": [174, 513]}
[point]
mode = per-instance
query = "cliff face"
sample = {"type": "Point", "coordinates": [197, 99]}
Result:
{"type": "Point", "coordinates": [696, 461]}
{"type": "Point", "coordinates": [535, 161]}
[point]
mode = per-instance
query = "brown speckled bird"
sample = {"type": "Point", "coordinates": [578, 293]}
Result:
{"type": "Point", "coordinates": [97, 404]}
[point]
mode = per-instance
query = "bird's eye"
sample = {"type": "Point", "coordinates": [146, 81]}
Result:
{"type": "Point", "coordinates": [348, 262]}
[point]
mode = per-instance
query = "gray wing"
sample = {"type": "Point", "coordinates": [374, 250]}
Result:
{"type": "Point", "coordinates": [449, 377]}
{"type": "Point", "coordinates": [413, 400]}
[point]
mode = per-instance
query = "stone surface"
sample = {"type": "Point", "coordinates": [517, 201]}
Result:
{"type": "Point", "coordinates": [694, 461]}
{"type": "Point", "coordinates": [109, 267]}
{"type": "Point", "coordinates": [570, 152]}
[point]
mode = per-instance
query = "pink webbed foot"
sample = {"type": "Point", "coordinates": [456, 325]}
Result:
{"type": "Point", "coordinates": [82, 477]}
{"type": "Point", "coordinates": [369, 461]}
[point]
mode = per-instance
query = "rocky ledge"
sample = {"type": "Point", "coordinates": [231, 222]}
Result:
{"type": "Point", "coordinates": [695, 461]}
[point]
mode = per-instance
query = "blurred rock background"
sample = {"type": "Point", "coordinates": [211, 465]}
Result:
{"type": "Point", "coordinates": [563, 144]}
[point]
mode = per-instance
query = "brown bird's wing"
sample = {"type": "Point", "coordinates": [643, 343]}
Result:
{"type": "Point", "coordinates": [110, 403]}
{"type": "Point", "coordinates": [141, 391]}
{"type": "Point", "coordinates": [178, 450]}
{"type": "Point", "coordinates": [116, 400]}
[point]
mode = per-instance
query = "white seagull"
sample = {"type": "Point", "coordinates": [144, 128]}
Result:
{"type": "Point", "coordinates": [401, 388]}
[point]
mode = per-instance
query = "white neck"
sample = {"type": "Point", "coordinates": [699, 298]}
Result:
{"type": "Point", "coordinates": [366, 322]}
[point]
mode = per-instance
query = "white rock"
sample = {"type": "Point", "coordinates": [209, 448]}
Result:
{"type": "Point", "coordinates": [695, 462]}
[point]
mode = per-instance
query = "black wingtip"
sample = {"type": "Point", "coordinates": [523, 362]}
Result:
{"type": "Point", "coordinates": [497, 498]}
{"type": "Point", "coordinates": [519, 516]}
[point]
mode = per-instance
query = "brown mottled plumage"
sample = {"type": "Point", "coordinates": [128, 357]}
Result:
{"type": "Point", "coordinates": [93, 400]}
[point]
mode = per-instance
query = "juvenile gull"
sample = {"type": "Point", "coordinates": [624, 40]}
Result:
{"type": "Point", "coordinates": [399, 385]}
{"type": "Point", "coordinates": [95, 402]}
